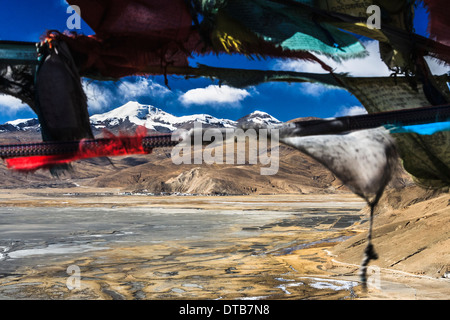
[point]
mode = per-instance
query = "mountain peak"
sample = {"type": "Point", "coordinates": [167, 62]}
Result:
{"type": "Point", "coordinates": [260, 118]}
{"type": "Point", "coordinates": [131, 109]}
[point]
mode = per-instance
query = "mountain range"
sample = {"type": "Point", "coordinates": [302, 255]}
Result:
{"type": "Point", "coordinates": [134, 114]}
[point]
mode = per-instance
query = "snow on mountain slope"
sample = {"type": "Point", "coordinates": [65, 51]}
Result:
{"type": "Point", "coordinates": [20, 125]}
{"type": "Point", "coordinates": [260, 117]}
{"type": "Point", "coordinates": [152, 118]}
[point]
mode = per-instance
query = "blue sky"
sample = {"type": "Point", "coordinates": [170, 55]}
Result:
{"type": "Point", "coordinates": [27, 20]}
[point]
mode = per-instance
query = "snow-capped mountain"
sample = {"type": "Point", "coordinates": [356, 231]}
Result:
{"type": "Point", "coordinates": [135, 114]}
{"type": "Point", "coordinates": [20, 125]}
{"type": "Point", "coordinates": [258, 118]}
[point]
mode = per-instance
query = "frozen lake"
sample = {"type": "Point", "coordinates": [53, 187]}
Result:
{"type": "Point", "coordinates": [36, 240]}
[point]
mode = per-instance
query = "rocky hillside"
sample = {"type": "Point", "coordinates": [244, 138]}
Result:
{"type": "Point", "coordinates": [411, 233]}
{"type": "Point", "coordinates": [156, 173]}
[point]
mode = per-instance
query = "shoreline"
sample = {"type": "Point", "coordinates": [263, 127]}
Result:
{"type": "Point", "coordinates": [87, 196]}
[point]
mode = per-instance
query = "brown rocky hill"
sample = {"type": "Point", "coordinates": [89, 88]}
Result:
{"type": "Point", "coordinates": [411, 233]}
{"type": "Point", "coordinates": [156, 173]}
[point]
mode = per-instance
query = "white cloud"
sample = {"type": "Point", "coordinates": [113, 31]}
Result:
{"type": "Point", "coordinates": [315, 89]}
{"type": "Point", "coordinates": [103, 96]}
{"type": "Point", "coordinates": [142, 87]}
{"type": "Point", "coordinates": [11, 105]}
{"type": "Point", "coordinates": [99, 97]}
{"type": "Point", "coordinates": [214, 95]}
{"type": "Point", "coordinates": [351, 111]}
{"type": "Point", "coordinates": [370, 66]}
